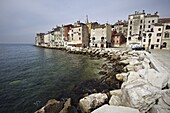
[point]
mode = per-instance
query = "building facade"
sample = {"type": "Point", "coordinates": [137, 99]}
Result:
{"type": "Point", "coordinates": [39, 39]}
{"type": "Point", "coordinates": [139, 23]}
{"type": "Point", "coordinates": [117, 39]}
{"type": "Point", "coordinates": [78, 35]}
{"type": "Point", "coordinates": [101, 36]}
{"type": "Point", "coordinates": [59, 36]}
{"type": "Point", "coordinates": [166, 33]}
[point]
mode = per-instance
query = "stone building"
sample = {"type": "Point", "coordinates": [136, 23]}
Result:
{"type": "Point", "coordinates": [78, 35]}
{"type": "Point", "coordinates": [117, 39]}
{"type": "Point", "coordinates": [39, 39]}
{"type": "Point", "coordinates": [139, 23]}
{"type": "Point", "coordinates": [152, 38]}
{"type": "Point", "coordinates": [166, 33]}
{"type": "Point", "coordinates": [101, 36]}
{"type": "Point", "coordinates": [121, 27]}
{"type": "Point", "coordinates": [46, 40]}
{"type": "Point", "coordinates": [59, 36]}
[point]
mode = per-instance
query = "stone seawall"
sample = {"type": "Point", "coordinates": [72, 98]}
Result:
{"type": "Point", "coordinates": [130, 81]}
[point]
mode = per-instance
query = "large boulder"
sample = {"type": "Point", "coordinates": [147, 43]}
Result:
{"type": "Point", "coordinates": [163, 104]}
{"type": "Point", "coordinates": [157, 79]}
{"type": "Point", "coordinates": [68, 108]}
{"type": "Point", "coordinates": [115, 109]}
{"type": "Point", "coordinates": [116, 97]}
{"type": "Point", "coordinates": [139, 94]}
{"type": "Point", "coordinates": [92, 101]}
{"type": "Point", "coordinates": [133, 76]}
{"type": "Point", "coordinates": [52, 106]}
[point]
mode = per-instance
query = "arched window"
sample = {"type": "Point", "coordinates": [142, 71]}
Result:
{"type": "Point", "coordinates": [166, 35]}
{"type": "Point", "coordinates": [164, 44]}
{"type": "Point", "coordinates": [149, 35]}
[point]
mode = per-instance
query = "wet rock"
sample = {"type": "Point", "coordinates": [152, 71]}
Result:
{"type": "Point", "coordinates": [68, 108]}
{"type": "Point", "coordinates": [92, 101]}
{"type": "Point", "coordinates": [114, 57]}
{"type": "Point", "coordinates": [52, 106]}
{"type": "Point", "coordinates": [139, 94]}
{"type": "Point", "coordinates": [115, 109]}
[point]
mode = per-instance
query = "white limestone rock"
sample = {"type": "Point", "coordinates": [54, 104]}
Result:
{"type": "Point", "coordinates": [133, 76]}
{"type": "Point", "coordinates": [92, 101]}
{"type": "Point", "coordinates": [139, 94]}
{"type": "Point", "coordinates": [157, 79]}
{"type": "Point", "coordinates": [122, 76]}
{"type": "Point", "coordinates": [116, 97]}
{"type": "Point", "coordinates": [158, 109]}
{"type": "Point", "coordinates": [115, 109]}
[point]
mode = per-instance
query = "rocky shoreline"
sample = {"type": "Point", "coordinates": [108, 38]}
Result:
{"type": "Point", "coordinates": [129, 82]}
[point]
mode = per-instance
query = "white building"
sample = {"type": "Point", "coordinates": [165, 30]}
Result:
{"type": "Point", "coordinates": [78, 35]}
{"type": "Point", "coordinates": [139, 23]}
{"type": "Point", "coordinates": [152, 39]}
{"type": "Point", "coordinates": [58, 36]}
{"type": "Point", "coordinates": [46, 40]}
{"type": "Point", "coordinates": [101, 36]}
{"type": "Point", "coordinates": [166, 32]}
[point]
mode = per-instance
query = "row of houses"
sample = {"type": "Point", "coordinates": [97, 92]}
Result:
{"type": "Point", "coordinates": [147, 30]}
{"type": "Point", "coordinates": [79, 35]}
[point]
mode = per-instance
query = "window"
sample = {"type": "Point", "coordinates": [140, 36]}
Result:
{"type": "Point", "coordinates": [102, 38]}
{"type": "Point", "coordinates": [153, 21]}
{"type": "Point", "coordinates": [167, 35]}
{"type": "Point", "coordinates": [144, 34]}
{"type": "Point", "coordinates": [130, 27]}
{"type": "Point", "coordinates": [148, 21]}
{"type": "Point", "coordinates": [149, 26]}
{"type": "Point", "coordinates": [149, 35]}
{"type": "Point", "coordinates": [167, 27]}
{"type": "Point", "coordinates": [117, 41]}
{"type": "Point", "coordinates": [79, 29]}
{"type": "Point", "coordinates": [157, 40]}
{"type": "Point", "coordinates": [129, 38]}
{"type": "Point", "coordinates": [130, 33]}
{"type": "Point", "coordinates": [130, 22]}
{"type": "Point", "coordinates": [72, 35]}
{"type": "Point", "coordinates": [140, 26]}
{"type": "Point", "coordinates": [157, 45]}
{"type": "Point", "coordinates": [93, 38]}
{"type": "Point", "coordinates": [139, 32]}
{"type": "Point", "coordinates": [159, 29]}
{"type": "Point", "coordinates": [140, 21]}
{"type": "Point", "coordinates": [72, 38]}
{"type": "Point", "coordinates": [151, 29]}
{"type": "Point", "coordinates": [79, 33]}
{"type": "Point", "coordinates": [158, 34]}
{"type": "Point", "coordinates": [79, 38]}
{"type": "Point", "coordinates": [144, 40]}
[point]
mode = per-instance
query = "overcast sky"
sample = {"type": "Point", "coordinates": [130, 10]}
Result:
{"type": "Point", "coordinates": [20, 20]}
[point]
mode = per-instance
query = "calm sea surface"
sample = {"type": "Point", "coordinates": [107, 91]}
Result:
{"type": "Point", "coordinates": [29, 76]}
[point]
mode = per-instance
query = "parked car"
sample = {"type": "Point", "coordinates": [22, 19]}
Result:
{"type": "Point", "coordinates": [137, 47]}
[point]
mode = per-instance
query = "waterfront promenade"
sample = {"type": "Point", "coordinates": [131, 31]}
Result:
{"type": "Point", "coordinates": [162, 56]}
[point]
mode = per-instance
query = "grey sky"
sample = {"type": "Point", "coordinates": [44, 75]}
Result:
{"type": "Point", "coordinates": [21, 19]}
